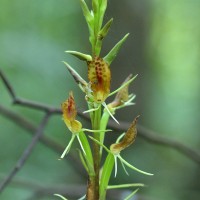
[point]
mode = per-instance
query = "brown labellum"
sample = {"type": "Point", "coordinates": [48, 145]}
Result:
{"type": "Point", "coordinates": [128, 138]}
{"type": "Point", "coordinates": [99, 76]}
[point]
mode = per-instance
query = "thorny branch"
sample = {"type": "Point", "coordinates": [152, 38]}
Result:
{"type": "Point", "coordinates": [145, 133]}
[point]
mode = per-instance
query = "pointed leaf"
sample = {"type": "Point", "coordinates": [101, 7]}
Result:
{"type": "Point", "coordinates": [83, 160]}
{"type": "Point", "coordinates": [86, 147]}
{"type": "Point", "coordinates": [106, 173]}
{"type": "Point", "coordinates": [129, 197]}
{"type": "Point", "coordinates": [58, 195]}
{"type": "Point", "coordinates": [86, 12]}
{"type": "Point", "coordinates": [123, 85]}
{"type": "Point", "coordinates": [104, 31]}
{"type": "Point", "coordinates": [113, 53]}
{"type": "Point", "coordinates": [81, 82]}
{"type": "Point", "coordinates": [80, 56]}
{"type": "Point", "coordinates": [95, 6]}
{"type": "Point", "coordinates": [102, 9]}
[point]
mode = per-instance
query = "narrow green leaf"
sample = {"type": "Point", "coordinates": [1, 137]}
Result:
{"type": "Point", "coordinates": [68, 146]}
{"type": "Point", "coordinates": [86, 12]}
{"type": "Point", "coordinates": [123, 85]}
{"type": "Point", "coordinates": [89, 19]}
{"type": "Point", "coordinates": [93, 139]}
{"type": "Point", "coordinates": [106, 173]}
{"type": "Point", "coordinates": [131, 195]}
{"type": "Point", "coordinates": [86, 147]}
{"type": "Point", "coordinates": [95, 6]}
{"type": "Point", "coordinates": [113, 52]}
{"type": "Point", "coordinates": [58, 195]}
{"type": "Point", "coordinates": [80, 56]}
{"type": "Point", "coordinates": [103, 124]}
{"type": "Point", "coordinates": [83, 197]}
{"type": "Point", "coordinates": [102, 9]}
{"type": "Point", "coordinates": [104, 31]}
{"type": "Point", "coordinates": [80, 81]}
{"type": "Point", "coordinates": [83, 160]}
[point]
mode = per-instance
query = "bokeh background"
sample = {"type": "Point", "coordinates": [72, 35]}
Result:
{"type": "Point", "coordinates": [163, 48]}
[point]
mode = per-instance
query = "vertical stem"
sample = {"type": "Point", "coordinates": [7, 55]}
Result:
{"type": "Point", "coordinates": [93, 184]}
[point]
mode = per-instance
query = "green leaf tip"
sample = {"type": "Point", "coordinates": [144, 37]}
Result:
{"type": "Point", "coordinates": [86, 12]}
{"type": "Point", "coordinates": [104, 31]}
{"type": "Point", "coordinates": [58, 195]}
{"type": "Point", "coordinates": [80, 55]}
{"type": "Point", "coordinates": [114, 51]}
{"type": "Point", "coordinates": [79, 80]}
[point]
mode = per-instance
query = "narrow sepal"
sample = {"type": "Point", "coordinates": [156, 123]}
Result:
{"type": "Point", "coordinates": [113, 52]}
{"type": "Point", "coordinates": [67, 149]}
{"type": "Point", "coordinates": [129, 185]}
{"type": "Point", "coordinates": [132, 167]}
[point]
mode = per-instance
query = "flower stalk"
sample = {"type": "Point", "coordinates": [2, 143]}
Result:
{"type": "Point", "coordinates": [96, 90]}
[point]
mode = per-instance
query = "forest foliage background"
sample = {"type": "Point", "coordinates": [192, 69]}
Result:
{"type": "Point", "coordinates": [163, 48]}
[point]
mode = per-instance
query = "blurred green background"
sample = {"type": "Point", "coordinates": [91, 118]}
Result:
{"type": "Point", "coordinates": [163, 48]}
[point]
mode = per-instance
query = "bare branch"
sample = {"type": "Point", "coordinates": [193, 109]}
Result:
{"type": "Point", "coordinates": [155, 138]}
{"type": "Point", "coordinates": [50, 143]}
{"type": "Point", "coordinates": [26, 153]}
{"type": "Point", "coordinates": [24, 102]}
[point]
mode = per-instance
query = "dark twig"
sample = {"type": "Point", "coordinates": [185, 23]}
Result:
{"type": "Point", "coordinates": [24, 102]}
{"type": "Point", "coordinates": [155, 138]}
{"type": "Point", "coordinates": [26, 153]}
{"type": "Point", "coordinates": [50, 143]}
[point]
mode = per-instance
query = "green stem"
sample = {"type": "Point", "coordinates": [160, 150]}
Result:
{"type": "Point", "coordinates": [96, 126]}
{"type": "Point", "coordinates": [93, 184]}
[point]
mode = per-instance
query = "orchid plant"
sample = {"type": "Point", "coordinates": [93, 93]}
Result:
{"type": "Point", "coordinates": [97, 90]}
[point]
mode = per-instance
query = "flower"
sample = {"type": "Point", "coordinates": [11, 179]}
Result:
{"type": "Point", "coordinates": [127, 140]}
{"type": "Point", "coordinates": [99, 76]}
{"type": "Point", "coordinates": [123, 98]}
{"type": "Point", "coordinates": [116, 148]}
{"type": "Point", "coordinates": [70, 113]}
